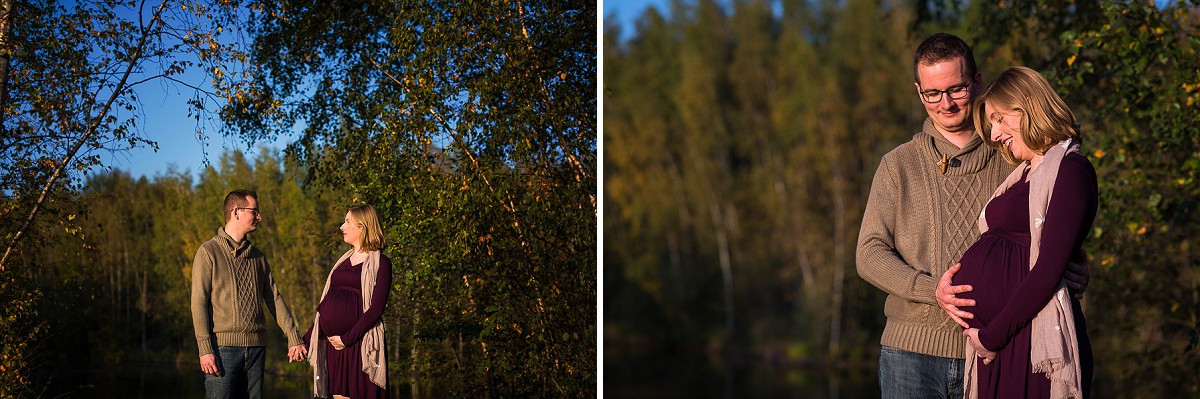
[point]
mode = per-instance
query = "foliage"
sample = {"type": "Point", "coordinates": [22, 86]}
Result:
{"type": "Point", "coordinates": [20, 323]}
{"type": "Point", "coordinates": [471, 127]}
{"type": "Point", "coordinates": [1139, 74]}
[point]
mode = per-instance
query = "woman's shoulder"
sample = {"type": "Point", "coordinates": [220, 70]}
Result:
{"type": "Point", "coordinates": [1077, 163]}
{"type": "Point", "coordinates": [384, 260]}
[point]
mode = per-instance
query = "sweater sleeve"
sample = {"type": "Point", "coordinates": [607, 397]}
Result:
{"type": "Point", "coordinates": [876, 258]}
{"type": "Point", "coordinates": [379, 297]}
{"type": "Point", "coordinates": [201, 301]}
{"type": "Point", "coordinates": [1069, 217]}
{"type": "Point", "coordinates": [279, 308]}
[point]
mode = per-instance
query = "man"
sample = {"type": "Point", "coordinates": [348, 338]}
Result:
{"type": "Point", "coordinates": [230, 282]}
{"type": "Point", "coordinates": [921, 217]}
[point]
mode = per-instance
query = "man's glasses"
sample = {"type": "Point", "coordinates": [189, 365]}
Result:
{"type": "Point", "coordinates": [253, 211]}
{"type": "Point", "coordinates": [955, 92]}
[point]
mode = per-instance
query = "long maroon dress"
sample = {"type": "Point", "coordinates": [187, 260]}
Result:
{"type": "Point", "coordinates": [1008, 294]}
{"type": "Point", "coordinates": [342, 315]}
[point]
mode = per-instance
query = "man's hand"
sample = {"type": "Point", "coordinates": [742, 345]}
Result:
{"type": "Point", "coordinates": [208, 364]}
{"type": "Point", "coordinates": [336, 340]}
{"type": "Point", "coordinates": [973, 340]}
{"type": "Point", "coordinates": [946, 295]}
{"type": "Point", "coordinates": [1077, 275]}
{"type": "Point", "coordinates": [297, 353]}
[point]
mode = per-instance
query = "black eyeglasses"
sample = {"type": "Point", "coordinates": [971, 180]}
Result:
{"type": "Point", "coordinates": [955, 92]}
{"type": "Point", "coordinates": [253, 211]}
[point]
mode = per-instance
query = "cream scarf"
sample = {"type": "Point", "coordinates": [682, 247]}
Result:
{"type": "Point", "coordinates": [1054, 348]}
{"type": "Point", "coordinates": [374, 360]}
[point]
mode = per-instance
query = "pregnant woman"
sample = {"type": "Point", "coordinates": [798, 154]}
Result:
{"type": "Point", "coordinates": [346, 339]}
{"type": "Point", "coordinates": [1028, 337]}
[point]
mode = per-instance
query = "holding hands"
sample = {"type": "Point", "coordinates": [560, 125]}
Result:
{"type": "Point", "coordinates": [297, 353]}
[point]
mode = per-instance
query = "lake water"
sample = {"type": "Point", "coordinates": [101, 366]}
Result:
{"type": "Point", "coordinates": [657, 377]}
{"type": "Point", "coordinates": [700, 377]}
{"type": "Point", "coordinates": [157, 381]}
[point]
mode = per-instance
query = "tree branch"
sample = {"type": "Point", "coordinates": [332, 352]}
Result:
{"type": "Point", "coordinates": [93, 125]}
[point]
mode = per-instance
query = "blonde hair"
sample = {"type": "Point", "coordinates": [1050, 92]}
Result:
{"type": "Point", "coordinates": [366, 217]}
{"type": "Point", "coordinates": [1045, 117]}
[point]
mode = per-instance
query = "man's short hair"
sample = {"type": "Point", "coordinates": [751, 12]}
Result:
{"type": "Point", "coordinates": [943, 47]}
{"type": "Point", "coordinates": [237, 199]}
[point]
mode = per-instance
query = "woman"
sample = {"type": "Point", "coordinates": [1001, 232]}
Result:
{"type": "Point", "coordinates": [1028, 338]}
{"type": "Point", "coordinates": [349, 361]}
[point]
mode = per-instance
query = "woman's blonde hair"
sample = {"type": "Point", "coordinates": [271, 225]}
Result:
{"type": "Point", "coordinates": [366, 217]}
{"type": "Point", "coordinates": [1045, 117]}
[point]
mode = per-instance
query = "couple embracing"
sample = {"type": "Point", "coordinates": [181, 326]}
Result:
{"type": "Point", "coordinates": [951, 196]}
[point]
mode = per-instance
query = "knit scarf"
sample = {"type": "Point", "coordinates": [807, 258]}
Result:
{"type": "Point", "coordinates": [374, 361]}
{"type": "Point", "coordinates": [1054, 348]}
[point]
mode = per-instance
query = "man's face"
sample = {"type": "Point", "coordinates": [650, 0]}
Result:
{"type": "Point", "coordinates": [246, 218]}
{"type": "Point", "coordinates": [949, 115]}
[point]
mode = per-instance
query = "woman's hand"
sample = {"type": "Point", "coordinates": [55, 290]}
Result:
{"type": "Point", "coordinates": [337, 342]}
{"type": "Point", "coordinates": [973, 340]}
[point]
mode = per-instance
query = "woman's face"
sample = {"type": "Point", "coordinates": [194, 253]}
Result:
{"type": "Point", "coordinates": [1006, 129]}
{"type": "Point", "coordinates": [352, 231]}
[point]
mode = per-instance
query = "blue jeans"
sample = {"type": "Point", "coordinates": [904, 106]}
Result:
{"type": "Point", "coordinates": [241, 370]}
{"type": "Point", "coordinates": [904, 374]}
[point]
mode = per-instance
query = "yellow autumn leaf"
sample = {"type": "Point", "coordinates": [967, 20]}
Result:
{"type": "Point", "coordinates": [1071, 60]}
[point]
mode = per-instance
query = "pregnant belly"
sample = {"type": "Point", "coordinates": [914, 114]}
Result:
{"type": "Point", "coordinates": [339, 311]}
{"type": "Point", "coordinates": [994, 268]}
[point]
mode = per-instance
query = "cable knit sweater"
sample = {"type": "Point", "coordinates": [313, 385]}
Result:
{"type": "Point", "coordinates": [917, 223]}
{"type": "Point", "coordinates": [230, 283]}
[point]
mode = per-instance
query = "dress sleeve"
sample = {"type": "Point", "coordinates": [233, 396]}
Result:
{"type": "Point", "coordinates": [308, 334]}
{"type": "Point", "coordinates": [1069, 217]}
{"type": "Point", "coordinates": [379, 297]}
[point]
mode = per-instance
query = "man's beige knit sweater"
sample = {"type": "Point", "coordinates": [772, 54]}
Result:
{"type": "Point", "coordinates": [230, 283]}
{"type": "Point", "coordinates": [918, 222]}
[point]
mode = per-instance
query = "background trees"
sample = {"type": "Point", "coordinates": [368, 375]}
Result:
{"type": "Point", "coordinates": [740, 140]}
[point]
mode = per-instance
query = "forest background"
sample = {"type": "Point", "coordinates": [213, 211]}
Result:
{"type": "Point", "coordinates": [740, 140]}
{"type": "Point", "coordinates": [470, 127]}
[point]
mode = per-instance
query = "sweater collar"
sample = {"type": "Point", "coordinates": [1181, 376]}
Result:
{"type": "Point", "coordinates": [229, 244]}
{"type": "Point", "coordinates": [960, 161]}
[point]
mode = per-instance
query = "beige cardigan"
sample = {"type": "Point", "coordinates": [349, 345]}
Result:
{"type": "Point", "coordinates": [374, 359]}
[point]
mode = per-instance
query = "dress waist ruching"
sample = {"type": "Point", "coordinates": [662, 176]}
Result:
{"type": "Point", "coordinates": [1019, 238]}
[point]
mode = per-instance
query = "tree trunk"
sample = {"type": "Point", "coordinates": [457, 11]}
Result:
{"type": "Point", "coordinates": [839, 260]}
{"type": "Point", "coordinates": [415, 355]}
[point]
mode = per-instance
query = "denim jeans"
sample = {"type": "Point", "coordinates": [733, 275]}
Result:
{"type": "Point", "coordinates": [241, 370]}
{"type": "Point", "coordinates": [904, 374]}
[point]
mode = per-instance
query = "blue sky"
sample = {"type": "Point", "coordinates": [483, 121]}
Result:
{"type": "Point", "coordinates": [166, 120]}
{"type": "Point", "coordinates": [626, 12]}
